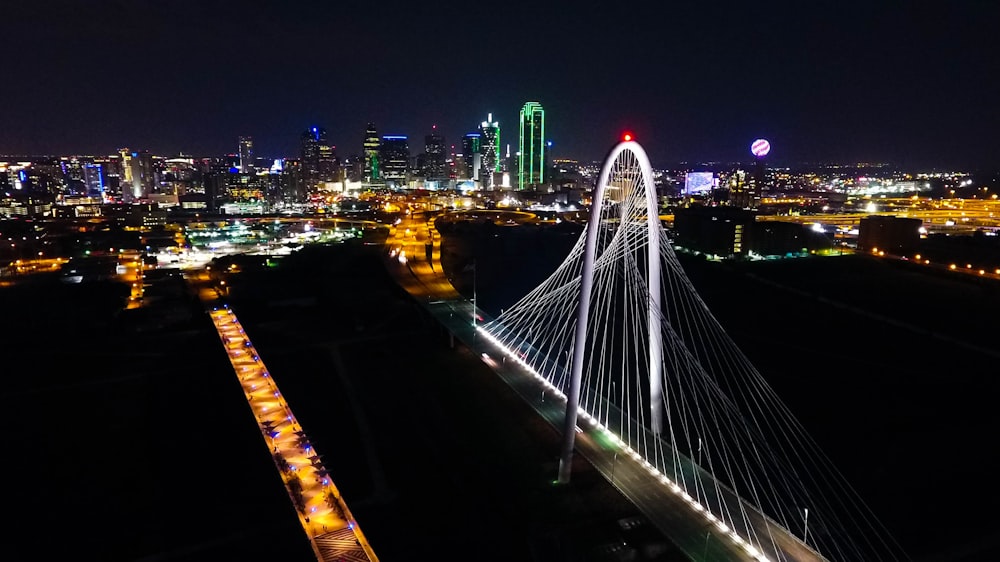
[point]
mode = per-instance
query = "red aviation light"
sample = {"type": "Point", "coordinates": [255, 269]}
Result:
{"type": "Point", "coordinates": [626, 137]}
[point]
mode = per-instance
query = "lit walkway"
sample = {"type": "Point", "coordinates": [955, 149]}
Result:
{"type": "Point", "coordinates": [328, 523]}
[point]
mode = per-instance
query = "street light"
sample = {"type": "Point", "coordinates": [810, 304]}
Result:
{"type": "Point", "coordinates": [805, 532]}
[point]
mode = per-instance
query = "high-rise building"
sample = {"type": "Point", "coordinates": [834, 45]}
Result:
{"type": "Point", "coordinates": [395, 157]}
{"type": "Point", "coordinates": [531, 146]}
{"type": "Point", "coordinates": [373, 168]}
{"type": "Point", "coordinates": [490, 131]}
{"type": "Point", "coordinates": [319, 161]}
{"type": "Point", "coordinates": [138, 170]}
{"type": "Point", "coordinates": [246, 155]}
{"type": "Point", "coordinates": [93, 178]}
{"type": "Point", "coordinates": [744, 191]}
{"type": "Point", "coordinates": [124, 154]}
{"type": "Point", "coordinates": [434, 157]}
{"type": "Point", "coordinates": [471, 155]}
{"type": "Point", "coordinates": [329, 164]}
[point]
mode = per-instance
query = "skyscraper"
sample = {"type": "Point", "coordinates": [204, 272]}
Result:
{"type": "Point", "coordinates": [434, 157]}
{"type": "Point", "coordinates": [531, 146]}
{"type": "Point", "coordinates": [138, 170]}
{"type": "Point", "coordinates": [395, 157]}
{"type": "Point", "coordinates": [318, 158]}
{"type": "Point", "coordinates": [490, 131]}
{"type": "Point", "coordinates": [93, 178]}
{"type": "Point", "coordinates": [246, 155]}
{"type": "Point", "coordinates": [471, 155]}
{"type": "Point", "coordinates": [373, 169]}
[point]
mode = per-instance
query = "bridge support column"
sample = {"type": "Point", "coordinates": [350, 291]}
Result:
{"type": "Point", "coordinates": [582, 317]}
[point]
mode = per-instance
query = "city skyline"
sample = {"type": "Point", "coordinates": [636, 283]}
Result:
{"type": "Point", "coordinates": [845, 82]}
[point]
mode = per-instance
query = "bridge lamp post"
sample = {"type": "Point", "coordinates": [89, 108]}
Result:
{"type": "Point", "coordinates": [805, 531]}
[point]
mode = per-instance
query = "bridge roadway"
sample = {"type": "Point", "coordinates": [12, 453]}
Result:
{"type": "Point", "coordinates": [692, 531]}
{"type": "Point", "coordinates": [331, 529]}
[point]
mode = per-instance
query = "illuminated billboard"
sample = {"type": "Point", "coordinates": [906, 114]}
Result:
{"type": "Point", "coordinates": [699, 182]}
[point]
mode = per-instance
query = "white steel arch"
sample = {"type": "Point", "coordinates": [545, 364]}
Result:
{"type": "Point", "coordinates": [630, 159]}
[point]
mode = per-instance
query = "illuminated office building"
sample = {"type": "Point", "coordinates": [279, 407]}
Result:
{"type": "Point", "coordinates": [490, 147]}
{"type": "Point", "coordinates": [246, 155]}
{"type": "Point", "coordinates": [93, 178]}
{"type": "Point", "coordinates": [531, 146]}
{"type": "Point", "coordinates": [373, 168]}
{"type": "Point", "coordinates": [395, 157]}
{"type": "Point", "coordinates": [744, 190]}
{"type": "Point", "coordinates": [433, 167]}
{"type": "Point", "coordinates": [319, 162]}
{"type": "Point", "coordinates": [138, 170]}
{"type": "Point", "coordinates": [471, 155]}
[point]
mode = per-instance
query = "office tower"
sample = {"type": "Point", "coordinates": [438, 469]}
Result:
{"type": "Point", "coordinates": [319, 161]}
{"type": "Point", "coordinates": [124, 154]}
{"type": "Point", "coordinates": [471, 154]}
{"type": "Point", "coordinates": [434, 158]}
{"type": "Point", "coordinates": [138, 169]}
{"type": "Point", "coordinates": [395, 157]}
{"type": "Point", "coordinates": [373, 168]}
{"type": "Point", "coordinates": [292, 184]}
{"type": "Point", "coordinates": [744, 191]}
{"type": "Point", "coordinates": [329, 164]}
{"type": "Point", "coordinates": [531, 146]}
{"type": "Point", "coordinates": [246, 155]}
{"type": "Point", "coordinates": [93, 179]}
{"type": "Point", "coordinates": [490, 131]}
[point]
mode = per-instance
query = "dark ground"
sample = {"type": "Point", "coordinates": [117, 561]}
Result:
{"type": "Point", "coordinates": [138, 445]}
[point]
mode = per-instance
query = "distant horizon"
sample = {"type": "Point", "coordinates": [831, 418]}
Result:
{"type": "Point", "coordinates": [675, 164]}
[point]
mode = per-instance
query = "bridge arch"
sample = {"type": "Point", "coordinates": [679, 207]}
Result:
{"type": "Point", "coordinates": [625, 170]}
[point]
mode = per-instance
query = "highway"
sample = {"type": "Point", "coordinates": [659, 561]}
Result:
{"type": "Point", "coordinates": [699, 535]}
{"type": "Point", "coordinates": [331, 529]}
{"type": "Point", "coordinates": [408, 244]}
{"type": "Point", "coordinates": [951, 216]}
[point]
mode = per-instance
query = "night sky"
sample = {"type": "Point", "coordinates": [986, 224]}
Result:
{"type": "Point", "coordinates": [915, 84]}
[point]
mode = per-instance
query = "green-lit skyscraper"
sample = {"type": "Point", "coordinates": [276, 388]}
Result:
{"type": "Point", "coordinates": [373, 168]}
{"type": "Point", "coordinates": [531, 146]}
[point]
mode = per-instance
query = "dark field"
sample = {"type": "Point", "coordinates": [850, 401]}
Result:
{"type": "Point", "coordinates": [140, 446]}
{"type": "Point", "coordinates": [129, 446]}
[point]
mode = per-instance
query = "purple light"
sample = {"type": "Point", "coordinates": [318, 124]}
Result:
{"type": "Point", "coordinates": [760, 148]}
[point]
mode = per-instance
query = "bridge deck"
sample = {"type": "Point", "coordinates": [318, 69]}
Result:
{"type": "Point", "coordinates": [328, 523]}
